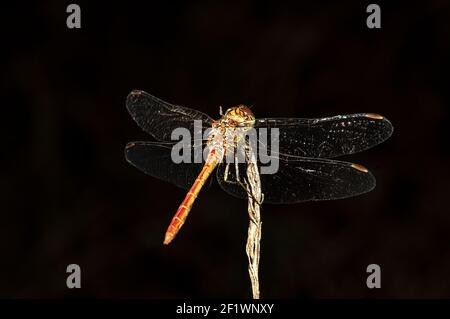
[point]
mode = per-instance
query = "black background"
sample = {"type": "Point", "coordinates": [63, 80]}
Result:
{"type": "Point", "coordinates": [68, 196]}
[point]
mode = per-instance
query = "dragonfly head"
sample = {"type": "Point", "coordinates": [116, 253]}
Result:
{"type": "Point", "coordinates": [239, 115]}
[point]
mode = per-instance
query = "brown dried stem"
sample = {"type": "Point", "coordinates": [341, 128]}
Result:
{"type": "Point", "coordinates": [255, 198]}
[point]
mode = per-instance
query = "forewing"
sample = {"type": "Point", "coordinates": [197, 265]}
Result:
{"type": "Point", "coordinates": [159, 118]}
{"type": "Point", "coordinates": [328, 137]}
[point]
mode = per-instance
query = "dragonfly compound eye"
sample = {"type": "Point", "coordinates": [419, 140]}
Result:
{"type": "Point", "coordinates": [240, 115]}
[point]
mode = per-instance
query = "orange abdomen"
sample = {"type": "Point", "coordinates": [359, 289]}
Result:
{"type": "Point", "coordinates": [186, 205]}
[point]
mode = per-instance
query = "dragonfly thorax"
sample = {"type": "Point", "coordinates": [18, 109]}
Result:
{"type": "Point", "coordinates": [239, 115]}
{"type": "Point", "coordinates": [228, 133]}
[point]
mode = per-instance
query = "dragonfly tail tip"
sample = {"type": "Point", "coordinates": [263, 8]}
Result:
{"type": "Point", "coordinates": [167, 239]}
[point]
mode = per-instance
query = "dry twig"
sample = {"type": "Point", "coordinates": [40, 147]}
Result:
{"type": "Point", "coordinates": [255, 198]}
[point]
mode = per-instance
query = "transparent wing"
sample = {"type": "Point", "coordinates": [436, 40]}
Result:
{"type": "Point", "coordinates": [155, 160]}
{"type": "Point", "coordinates": [328, 137]}
{"type": "Point", "coordinates": [159, 118]}
{"type": "Point", "coordinates": [303, 179]}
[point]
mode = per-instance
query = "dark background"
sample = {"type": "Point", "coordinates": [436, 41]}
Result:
{"type": "Point", "coordinates": [68, 195]}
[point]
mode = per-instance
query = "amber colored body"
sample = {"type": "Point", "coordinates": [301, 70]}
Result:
{"type": "Point", "coordinates": [186, 205]}
{"type": "Point", "coordinates": [239, 116]}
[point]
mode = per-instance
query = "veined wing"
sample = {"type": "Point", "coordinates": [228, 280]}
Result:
{"type": "Point", "coordinates": [159, 118]}
{"type": "Point", "coordinates": [303, 179]}
{"type": "Point", "coordinates": [155, 160]}
{"type": "Point", "coordinates": [328, 137]}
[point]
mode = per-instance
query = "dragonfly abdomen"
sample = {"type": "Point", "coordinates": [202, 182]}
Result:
{"type": "Point", "coordinates": [185, 207]}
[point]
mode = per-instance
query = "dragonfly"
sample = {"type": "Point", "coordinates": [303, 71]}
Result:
{"type": "Point", "coordinates": [307, 170]}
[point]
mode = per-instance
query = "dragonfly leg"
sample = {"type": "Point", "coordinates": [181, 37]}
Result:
{"type": "Point", "coordinates": [238, 180]}
{"type": "Point", "coordinates": [227, 171]}
{"type": "Point", "coordinates": [251, 194]}
{"type": "Point", "coordinates": [262, 199]}
{"type": "Point", "coordinates": [236, 167]}
{"type": "Point", "coordinates": [226, 175]}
